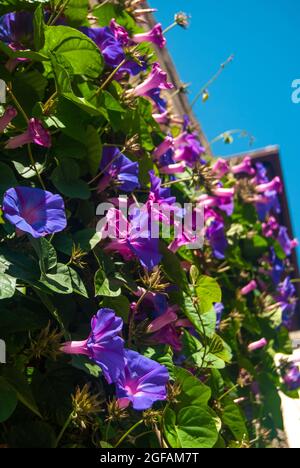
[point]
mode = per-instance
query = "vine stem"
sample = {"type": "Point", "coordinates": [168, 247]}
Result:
{"type": "Point", "coordinates": [60, 11]}
{"type": "Point", "coordinates": [65, 427]}
{"type": "Point", "coordinates": [132, 428]}
{"type": "Point", "coordinates": [212, 80]}
{"type": "Point", "coordinates": [229, 391]}
{"type": "Point", "coordinates": [26, 118]}
{"type": "Point", "coordinates": [169, 28]}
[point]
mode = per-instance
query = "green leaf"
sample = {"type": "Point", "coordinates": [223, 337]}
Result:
{"type": "Point", "coordinates": [193, 391]}
{"type": "Point", "coordinates": [8, 400]}
{"type": "Point", "coordinates": [66, 179]}
{"type": "Point", "coordinates": [94, 150]}
{"type": "Point", "coordinates": [172, 268]}
{"type": "Point", "coordinates": [7, 286]}
{"type": "Point", "coordinates": [21, 387]}
{"type": "Point", "coordinates": [7, 178]}
{"type": "Point", "coordinates": [233, 418]}
{"type": "Point", "coordinates": [75, 47]}
{"type": "Point", "coordinates": [120, 305]}
{"type": "Point", "coordinates": [60, 281]}
{"type": "Point", "coordinates": [191, 427]}
{"type": "Point", "coordinates": [76, 11]}
{"type": "Point", "coordinates": [104, 286]}
{"type": "Point", "coordinates": [207, 324]}
{"type": "Point", "coordinates": [208, 292]}
{"type": "Point", "coordinates": [46, 254]}
{"type": "Point", "coordinates": [77, 283]}
{"type": "Point", "coordinates": [39, 28]}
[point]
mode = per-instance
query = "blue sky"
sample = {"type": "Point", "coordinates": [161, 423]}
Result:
{"type": "Point", "coordinates": [254, 92]}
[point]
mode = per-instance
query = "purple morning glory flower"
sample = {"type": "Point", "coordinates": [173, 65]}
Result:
{"type": "Point", "coordinates": [109, 46]}
{"type": "Point", "coordinates": [157, 79]}
{"type": "Point", "coordinates": [188, 149]}
{"type": "Point", "coordinates": [287, 300]}
{"type": "Point", "coordinates": [159, 194]}
{"type": "Point", "coordinates": [35, 133]}
{"type": "Point", "coordinates": [119, 170]}
{"type": "Point", "coordinates": [133, 240]}
{"type": "Point", "coordinates": [219, 309]}
{"type": "Point", "coordinates": [155, 36]}
{"type": "Point", "coordinates": [16, 29]}
{"type": "Point", "coordinates": [215, 234]}
{"type": "Point", "coordinates": [34, 211]}
{"type": "Point", "coordinates": [143, 382]}
{"type": "Point", "coordinates": [160, 103]}
{"type": "Point", "coordinates": [292, 377]}
{"type": "Point", "coordinates": [104, 346]}
{"type": "Point", "coordinates": [9, 114]}
{"type": "Point", "coordinates": [221, 167]}
{"type": "Point", "coordinates": [284, 240]}
{"type": "Point", "coordinates": [277, 267]}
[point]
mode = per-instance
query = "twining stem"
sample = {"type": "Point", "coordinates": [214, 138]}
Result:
{"type": "Point", "coordinates": [26, 118]}
{"type": "Point", "coordinates": [102, 4]}
{"type": "Point", "coordinates": [229, 391]}
{"type": "Point", "coordinates": [65, 427]}
{"type": "Point", "coordinates": [169, 28]}
{"type": "Point", "coordinates": [60, 11]}
{"type": "Point", "coordinates": [172, 182]}
{"type": "Point", "coordinates": [129, 432]}
{"type": "Point", "coordinates": [212, 80]}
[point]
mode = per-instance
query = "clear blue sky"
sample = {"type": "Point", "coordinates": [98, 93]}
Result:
{"type": "Point", "coordinates": [254, 92]}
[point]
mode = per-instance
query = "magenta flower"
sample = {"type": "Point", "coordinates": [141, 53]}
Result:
{"type": "Point", "coordinates": [166, 329]}
{"type": "Point", "coordinates": [142, 383]}
{"type": "Point", "coordinates": [164, 147]}
{"type": "Point", "coordinates": [35, 133]}
{"type": "Point", "coordinates": [34, 211]}
{"type": "Point", "coordinates": [157, 80]}
{"type": "Point", "coordinates": [249, 288]}
{"type": "Point", "coordinates": [257, 345]}
{"type": "Point", "coordinates": [274, 186]}
{"type": "Point", "coordinates": [171, 169]}
{"type": "Point", "coordinates": [270, 227]}
{"type": "Point", "coordinates": [119, 32]}
{"type": "Point", "coordinates": [155, 36]}
{"type": "Point", "coordinates": [221, 167]}
{"type": "Point", "coordinates": [292, 376]}
{"type": "Point", "coordinates": [9, 114]}
{"type": "Point", "coordinates": [104, 346]}
{"type": "Point", "coordinates": [287, 244]}
{"type": "Point", "coordinates": [244, 167]}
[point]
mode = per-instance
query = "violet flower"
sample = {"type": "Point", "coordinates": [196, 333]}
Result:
{"type": "Point", "coordinates": [215, 233]}
{"type": "Point", "coordinates": [156, 80]}
{"type": "Point", "coordinates": [16, 29]}
{"type": "Point", "coordinates": [219, 309]}
{"type": "Point", "coordinates": [118, 170]}
{"type": "Point", "coordinates": [287, 301]}
{"type": "Point", "coordinates": [160, 103]}
{"type": "Point", "coordinates": [248, 288]}
{"type": "Point", "coordinates": [34, 211]}
{"type": "Point", "coordinates": [284, 240]}
{"type": "Point", "coordinates": [109, 46]}
{"type": "Point", "coordinates": [9, 114]}
{"type": "Point", "coordinates": [142, 383]}
{"type": "Point", "coordinates": [155, 36]}
{"type": "Point", "coordinates": [292, 377]}
{"type": "Point", "coordinates": [257, 345]}
{"type": "Point", "coordinates": [104, 346]}
{"type": "Point", "coordinates": [133, 239]}
{"type": "Point", "coordinates": [35, 133]}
